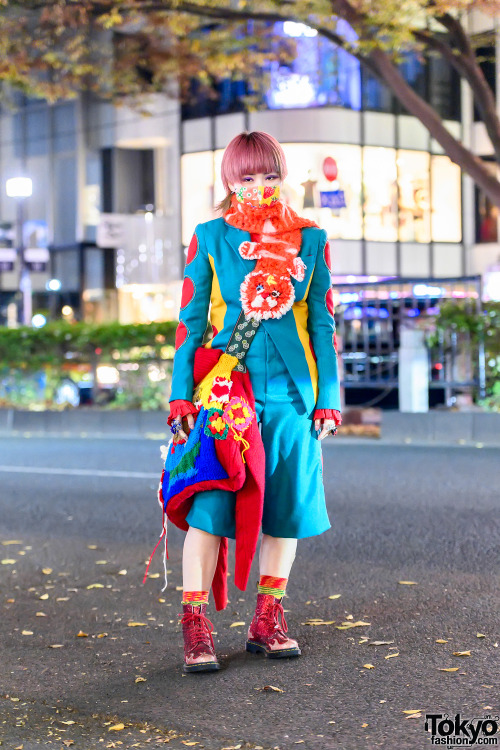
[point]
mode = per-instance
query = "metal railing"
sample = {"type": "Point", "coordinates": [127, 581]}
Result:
{"type": "Point", "coordinates": [369, 318]}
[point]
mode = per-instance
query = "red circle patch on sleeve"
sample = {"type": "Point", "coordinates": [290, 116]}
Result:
{"type": "Point", "coordinates": [181, 334]}
{"type": "Point", "coordinates": [328, 259]}
{"type": "Point", "coordinates": [192, 250]}
{"type": "Point", "coordinates": [329, 301]}
{"type": "Point", "coordinates": [187, 292]}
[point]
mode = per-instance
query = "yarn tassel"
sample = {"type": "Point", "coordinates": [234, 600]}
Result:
{"type": "Point", "coordinates": [240, 439]}
{"type": "Point", "coordinates": [165, 553]}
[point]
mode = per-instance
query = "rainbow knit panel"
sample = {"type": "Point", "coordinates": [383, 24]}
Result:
{"type": "Point", "coordinates": [272, 585]}
{"type": "Point", "coordinates": [191, 462]}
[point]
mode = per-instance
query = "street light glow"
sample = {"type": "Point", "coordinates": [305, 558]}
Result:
{"type": "Point", "coordinates": [38, 320]}
{"type": "Point", "coordinates": [19, 187]}
{"type": "Point", "coordinates": [53, 285]}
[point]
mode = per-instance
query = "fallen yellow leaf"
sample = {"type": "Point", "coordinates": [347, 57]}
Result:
{"type": "Point", "coordinates": [153, 575]}
{"type": "Point", "coordinates": [102, 635]}
{"type": "Point", "coordinates": [480, 635]}
{"type": "Point", "coordinates": [11, 541]}
{"type": "Point", "coordinates": [179, 588]}
{"type": "Point", "coordinates": [101, 562]}
{"type": "Point", "coordinates": [122, 572]}
{"type": "Point", "coordinates": [162, 600]}
{"type": "Point", "coordinates": [27, 632]}
{"type": "Point", "coordinates": [461, 653]}
{"type": "Point", "coordinates": [137, 624]}
{"type": "Point", "coordinates": [46, 571]}
{"type": "Point", "coordinates": [140, 679]}
{"type": "Point", "coordinates": [56, 645]}
{"type": "Point", "coordinates": [368, 666]}
{"type": "Point", "coordinates": [81, 634]}
{"type": "Point", "coordinates": [389, 656]}
{"type": "Point", "coordinates": [273, 689]}
{"type": "Point", "coordinates": [96, 586]}
{"type": "Point", "coordinates": [318, 622]}
{"type": "Point", "coordinates": [364, 724]}
{"type": "Point", "coordinates": [44, 596]}
{"type": "Point", "coordinates": [408, 583]}
{"type": "Point", "coordinates": [441, 640]}
{"type": "Point", "coordinates": [188, 743]}
{"type": "Point", "coordinates": [333, 596]}
{"type": "Point", "coordinates": [7, 561]}
{"type": "Point", "coordinates": [236, 624]}
{"type": "Point", "coordinates": [347, 625]}
{"type": "Point", "coordinates": [40, 614]}
{"type": "Point", "coordinates": [412, 711]}
{"type": "Point", "coordinates": [66, 722]}
{"type": "Point", "coordinates": [91, 546]}
{"type": "Point", "coordinates": [448, 669]}
{"type": "Point", "coordinates": [380, 643]}
{"type": "Point", "coordinates": [116, 728]}
{"type": "Point", "coordinates": [414, 716]}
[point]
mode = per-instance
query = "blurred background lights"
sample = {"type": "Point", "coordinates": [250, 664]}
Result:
{"type": "Point", "coordinates": [291, 28]}
{"type": "Point", "coordinates": [54, 285]}
{"type": "Point", "coordinates": [19, 187]}
{"type": "Point", "coordinates": [38, 320]}
{"type": "Point", "coordinates": [67, 311]}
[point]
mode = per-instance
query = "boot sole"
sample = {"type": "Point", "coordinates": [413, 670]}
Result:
{"type": "Point", "coordinates": [256, 648]}
{"type": "Point", "coordinates": [207, 666]}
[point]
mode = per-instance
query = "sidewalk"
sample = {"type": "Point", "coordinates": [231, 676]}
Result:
{"type": "Point", "coordinates": [435, 427]}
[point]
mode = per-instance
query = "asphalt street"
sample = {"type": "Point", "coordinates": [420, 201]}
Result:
{"type": "Point", "coordinates": [91, 658]}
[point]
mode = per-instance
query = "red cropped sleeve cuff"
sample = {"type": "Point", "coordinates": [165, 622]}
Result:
{"type": "Point", "coordinates": [329, 414]}
{"type": "Point", "coordinates": [179, 408]}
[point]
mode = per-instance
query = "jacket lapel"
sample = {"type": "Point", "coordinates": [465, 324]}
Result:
{"type": "Point", "coordinates": [234, 238]}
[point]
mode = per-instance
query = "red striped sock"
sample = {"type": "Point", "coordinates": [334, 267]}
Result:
{"type": "Point", "coordinates": [272, 585]}
{"type": "Point", "coordinates": [195, 597]}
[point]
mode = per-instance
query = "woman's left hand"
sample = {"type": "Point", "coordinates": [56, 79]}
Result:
{"type": "Point", "coordinates": [325, 426]}
{"type": "Point", "coordinates": [326, 420]}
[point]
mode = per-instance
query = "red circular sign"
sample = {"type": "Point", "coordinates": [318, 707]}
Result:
{"type": "Point", "coordinates": [330, 169]}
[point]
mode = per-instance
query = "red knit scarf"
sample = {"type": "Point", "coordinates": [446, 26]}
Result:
{"type": "Point", "coordinates": [267, 291]}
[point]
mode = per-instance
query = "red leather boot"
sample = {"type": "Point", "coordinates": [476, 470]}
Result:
{"type": "Point", "coordinates": [199, 652]}
{"type": "Point", "coordinates": [267, 632]}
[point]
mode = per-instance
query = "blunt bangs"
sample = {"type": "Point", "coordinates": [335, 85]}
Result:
{"type": "Point", "coordinates": [252, 153]}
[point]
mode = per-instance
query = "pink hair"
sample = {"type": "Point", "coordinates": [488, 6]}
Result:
{"type": "Point", "coordinates": [250, 153]}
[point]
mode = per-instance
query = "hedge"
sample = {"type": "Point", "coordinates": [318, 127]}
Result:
{"type": "Point", "coordinates": [31, 348]}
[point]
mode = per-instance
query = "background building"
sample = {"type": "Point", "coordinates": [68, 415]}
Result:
{"type": "Point", "coordinates": [116, 195]}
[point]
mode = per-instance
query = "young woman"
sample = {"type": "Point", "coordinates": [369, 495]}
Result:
{"type": "Point", "coordinates": [259, 256]}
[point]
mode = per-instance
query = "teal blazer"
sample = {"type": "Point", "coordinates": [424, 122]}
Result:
{"type": "Point", "coordinates": [303, 336]}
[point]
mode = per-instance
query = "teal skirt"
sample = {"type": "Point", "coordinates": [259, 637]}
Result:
{"type": "Point", "coordinates": [294, 498]}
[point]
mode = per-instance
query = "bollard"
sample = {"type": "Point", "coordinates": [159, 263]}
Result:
{"type": "Point", "coordinates": [413, 372]}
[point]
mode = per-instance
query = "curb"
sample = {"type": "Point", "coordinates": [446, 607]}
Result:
{"type": "Point", "coordinates": [431, 428]}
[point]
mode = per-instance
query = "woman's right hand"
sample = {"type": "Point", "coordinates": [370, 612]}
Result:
{"type": "Point", "coordinates": [181, 436]}
{"type": "Point", "coordinates": [183, 412]}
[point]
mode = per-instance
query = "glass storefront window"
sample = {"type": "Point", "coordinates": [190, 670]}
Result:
{"type": "Point", "coordinates": [414, 198]}
{"type": "Point", "coordinates": [380, 194]}
{"type": "Point", "coordinates": [486, 212]}
{"type": "Point", "coordinates": [197, 195]}
{"type": "Point", "coordinates": [320, 74]}
{"type": "Point", "coordinates": [324, 184]}
{"type": "Point", "coordinates": [446, 219]}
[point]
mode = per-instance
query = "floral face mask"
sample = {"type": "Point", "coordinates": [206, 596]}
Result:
{"type": "Point", "coordinates": [258, 195]}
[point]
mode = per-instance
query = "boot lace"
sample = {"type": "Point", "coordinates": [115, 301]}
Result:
{"type": "Point", "coordinates": [275, 622]}
{"type": "Point", "coordinates": [200, 631]}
